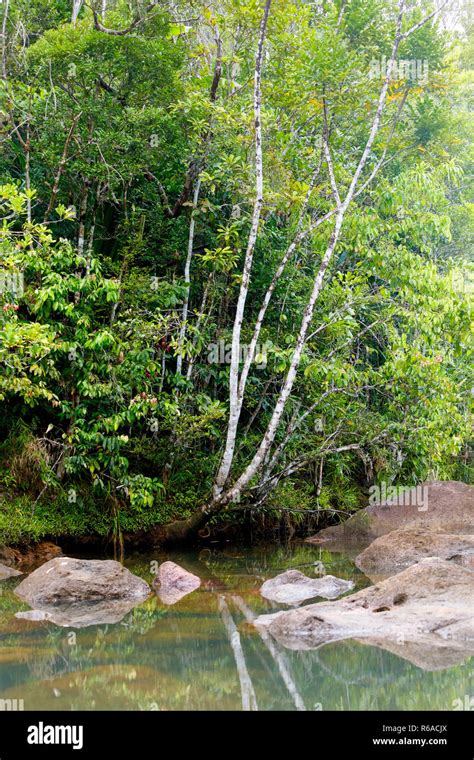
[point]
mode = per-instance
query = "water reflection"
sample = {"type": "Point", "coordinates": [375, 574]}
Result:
{"type": "Point", "coordinates": [204, 652]}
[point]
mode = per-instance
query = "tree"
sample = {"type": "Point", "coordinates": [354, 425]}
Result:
{"type": "Point", "coordinates": [247, 261]}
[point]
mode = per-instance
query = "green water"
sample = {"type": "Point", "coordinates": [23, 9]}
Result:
{"type": "Point", "coordinates": [181, 657]}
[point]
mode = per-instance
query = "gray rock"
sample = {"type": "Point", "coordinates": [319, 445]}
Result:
{"type": "Point", "coordinates": [173, 582]}
{"type": "Point", "coordinates": [8, 572]}
{"type": "Point", "coordinates": [446, 506]}
{"type": "Point", "coordinates": [399, 549]}
{"type": "Point", "coordinates": [292, 587]}
{"type": "Point", "coordinates": [35, 616]}
{"type": "Point", "coordinates": [64, 579]}
{"type": "Point", "coordinates": [423, 613]}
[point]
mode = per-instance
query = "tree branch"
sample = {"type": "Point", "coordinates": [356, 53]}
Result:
{"type": "Point", "coordinates": [424, 21]}
{"type": "Point", "coordinates": [121, 32]}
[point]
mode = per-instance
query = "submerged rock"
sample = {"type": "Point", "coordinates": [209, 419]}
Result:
{"type": "Point", "coordinates": [423, 613]}
{"type": "Point", "coordinates": [71, 580]}
{"type": "Point", "coordinates": [293, 587]}
{"type": "Point", "coordinates": [173, 582]}
{"type": "Point", "coordinates": [399, 549]}
{"type": "Point", "coordinates": [440, 506]}
{"type": "Point", "coordinates": [8, 572]}
{"type": "Point", "coordinates": [35, 616]}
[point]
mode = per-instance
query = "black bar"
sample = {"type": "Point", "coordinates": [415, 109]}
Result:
{"type": "Point", "coordinates": [125, 734]}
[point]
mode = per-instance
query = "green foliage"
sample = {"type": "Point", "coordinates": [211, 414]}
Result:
{"type": "Point", "coordinates": [105, 137]}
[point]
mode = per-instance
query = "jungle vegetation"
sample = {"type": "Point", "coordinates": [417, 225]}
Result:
{"type": "Point", "coordinates": [235, 263]}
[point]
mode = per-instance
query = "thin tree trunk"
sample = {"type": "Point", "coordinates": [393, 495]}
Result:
{"type": "Point", "coordinates": [82, 219]}
{"type": "Point", "coordinates": [90, 246]}
{"type": "Point", "coordinates": [4, 39]}
{"type": "Point", "coordinates": [271, 289]}
{"type": "Point", "coordinates": [27, 170]}
{"type": "Point", "coordinates": [187, 279]}
{"type": "Point", "coordinates": [61, 165]}
{"type": "Point", "coordinates": [123, 272]}
{"type": "Point", "coordinates": [76, 9]}
{"type": "Point", "coordinates": [228, 455]}
{"type": "Point", "coordinates": [192, 358]}
{"type": "Point", "coordinates": [197, 189]}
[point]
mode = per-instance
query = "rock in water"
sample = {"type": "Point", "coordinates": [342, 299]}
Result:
{"type": "Point", "coordinates": [173, 582]}
{"type": "Point", "coordinates": [66, 580]}
{"type": "Point", "coordinates": [424, 614]}
{"type": "Point", "coordinates": [440, 506]}
{"type": "Point", "coordinates": [293, 587]}
{"type": "Point", "coordinates": [8, 572]}
{"type": "Point", "coordinates": [399, 549]}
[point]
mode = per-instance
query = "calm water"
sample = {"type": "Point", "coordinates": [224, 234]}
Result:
{"type": "Point", "coordinates": [185, 657]}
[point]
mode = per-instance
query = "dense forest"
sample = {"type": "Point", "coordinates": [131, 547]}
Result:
{"type": "Point", "coordinates": [235, 272]}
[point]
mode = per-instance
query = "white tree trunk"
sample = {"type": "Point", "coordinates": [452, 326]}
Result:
{"type": "Point", "coordinates": [269, 436]}
{"type": "Point", "coordinates": [76, 8]}
{"type": "Point", "coordinates": [187, 279]}
{"type": "Point", "coordinates": [234, 411]}
{"type": "Point", "coordinates": [4, 38]}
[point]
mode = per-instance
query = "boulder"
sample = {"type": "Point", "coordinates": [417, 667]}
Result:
{"type": "Point", "coordinates": [443, 506]}
{"type": "Point", "coordinates": [293, 587]}
{"type": "Point", "coordinates": [424, 613]}
{"type": "Point", "coordinates": [8, 572]}
{"type": "Point", "coordinates": [399, 549]}
{"type": "Point", "coordinates": [67, 580]}
{"type": "Point", "coordinates": [173, 582]}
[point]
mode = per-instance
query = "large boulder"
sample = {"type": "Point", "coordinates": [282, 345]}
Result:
{"type": "Point", "coordinates": [293, 587]}
{"type": "Point", "coordinates": [440, 505]}
{"type": "Point", "coordinates": [8, 572]}
{"type": "Point", "coordinates": [399, 549]}
{"type": "Point", "coordinates": [173, 582]}
{"type": "Point", "coordinates": [67, 580]}
{"type": "Point", "coordinates": [423, 613]}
